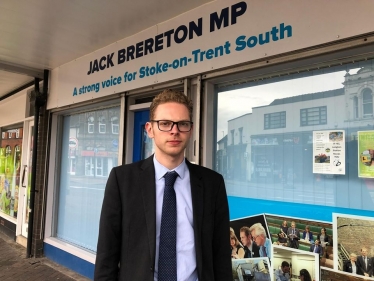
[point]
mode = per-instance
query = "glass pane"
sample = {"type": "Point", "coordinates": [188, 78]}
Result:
{"type": "Point", "coordinates": [368, 109]}
{"type": "Point", "coordinates": [147, 145]}
{"type": "Point", "coordinates": [86, 161]}
{"type": "Point", "coordinates": [10, 166]}
{"type": "Point", "coordinates": [275, 161]}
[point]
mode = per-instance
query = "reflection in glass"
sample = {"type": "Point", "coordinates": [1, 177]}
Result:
{"type": "Point", "coordinates": [89, 152]}
{"type": "Point", "coordinates": [265, 136]}
{"type": "Point", "coordinates": [147, 144]}
{"type": "Point", "coordinates": [10, 164]}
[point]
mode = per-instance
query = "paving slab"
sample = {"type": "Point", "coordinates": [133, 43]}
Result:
{"type": "Point", "coordinates": [15, 266]}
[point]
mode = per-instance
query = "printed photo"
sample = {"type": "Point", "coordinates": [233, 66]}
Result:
{"type": "Point", "coordinates": [254, 269]}
{"type": "Point", "coordinates": [249, 238]}
{"type": "Point", "coordinates": [328, 274]}
{"type": "Point", "coordinates": [322, 158]}
{"type": "Point", "coordinates": [355, 244]}
{"type": "Point", "coordinates": [306, 235]}
{"type": "Point", "coordinates": [292, 264]}
{"type": "Point", "coordinates": [335, 136]}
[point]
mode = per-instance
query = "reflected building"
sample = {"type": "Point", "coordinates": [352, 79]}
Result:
{"type": "Point", "coordinates": [93, 142]}
{"type": "Point", "coordinates": [273, 145]}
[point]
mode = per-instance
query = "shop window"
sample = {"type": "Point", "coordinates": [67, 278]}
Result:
{"type": "Point", "coordinates": [10, 163]}
{"type": "Point", "coordinates": [115, 125]}
{"type": "Point", "coordinates": [91, 125]}
{"type": "Point", "coordinates": [313, 116]}
{"type": "Point", "coordinates": [367, 103]}
{"type": "Point", "coordinates": [275, 120]}
{"type": "Point", "coordinates": [277, 160]}
{"type": "Point", "coordinates": [86, 161]}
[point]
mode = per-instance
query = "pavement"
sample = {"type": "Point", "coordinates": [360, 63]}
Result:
{"type": "Point", "coordinates": [14, 266]}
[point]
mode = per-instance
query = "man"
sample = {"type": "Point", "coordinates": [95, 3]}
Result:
{"type": "Point", "coordinates": [316, 248]}
{"type": "Point", "coordinates": [283, 274]}
{"type": "Point", "coordinates": [164, 218]}
{"type": "Point", "coordinates": [293, 236]}
{"type": "Point", "coordinates": [251, 250]}
{"type": "Point", "coordinates": [258, 234]}
{"type": "Point", "coordinates": [364, 263]}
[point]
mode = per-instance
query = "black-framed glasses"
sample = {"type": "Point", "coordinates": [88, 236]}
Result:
{"type": "Point", "coordinates": [167, 125]}
{"type": "Point", "coordinates": [255, 237]}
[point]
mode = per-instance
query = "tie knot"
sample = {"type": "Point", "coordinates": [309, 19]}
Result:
{"type": "Point", "coordinates": [170, 178]}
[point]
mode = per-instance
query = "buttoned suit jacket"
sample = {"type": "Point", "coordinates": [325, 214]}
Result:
{"type": "Point", "coordinates": [255, 253]}
{"type": "Point", "coordinates": [348, 267]}
{"type": "Point", "coordinates": [361, 266]}
{"type": "Point", "coordinates": [319, 249]}
{"type": "Point", "coordinates": [296, 239]}
{"type": "Point", "coordinates": [127, 236]}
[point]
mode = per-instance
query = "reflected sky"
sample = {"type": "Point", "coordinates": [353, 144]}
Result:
{"type": "Point", "coordinates": [235, 103]}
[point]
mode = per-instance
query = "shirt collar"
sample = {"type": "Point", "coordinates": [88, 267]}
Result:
{"type": "Point", "coordinates": [161, 170]}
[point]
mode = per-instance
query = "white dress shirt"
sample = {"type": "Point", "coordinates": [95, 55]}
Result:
{"type": "Point", "coordinates": [186, 254]}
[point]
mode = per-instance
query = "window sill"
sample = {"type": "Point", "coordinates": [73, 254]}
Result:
{"type": "Point", "coordinates": [76, 251]}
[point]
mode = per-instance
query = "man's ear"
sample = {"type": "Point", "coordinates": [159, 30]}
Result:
{"type": "Point", "coordinates": [191, 132]}
{"type": "Point", "coordinates": [149, 129]}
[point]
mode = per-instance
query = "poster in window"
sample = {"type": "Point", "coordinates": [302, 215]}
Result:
{"type": "Point", "coordinates": [365, 154]}
{"type": "Point", "coordinates": [329, 152]}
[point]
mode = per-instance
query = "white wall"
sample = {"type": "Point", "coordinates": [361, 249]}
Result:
{"type": "Point", "coordinates": [13, 109]}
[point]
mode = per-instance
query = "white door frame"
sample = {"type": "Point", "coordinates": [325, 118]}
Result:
{"type": "Point", "coordinates": [27, 144]}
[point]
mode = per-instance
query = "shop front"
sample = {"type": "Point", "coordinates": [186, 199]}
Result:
{"type": "Point", "coordinates": [15, 166]}
{"type": "Point", "coordinates": [260, 93]}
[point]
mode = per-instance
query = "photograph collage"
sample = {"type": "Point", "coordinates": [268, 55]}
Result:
{"type": "Point", "coordinates": [269, 247]}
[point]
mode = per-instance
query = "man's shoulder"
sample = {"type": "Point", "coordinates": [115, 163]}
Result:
{"type": "Point", "coordinates": [134, 166]}
{"type": "Point", "coordinates": [202, 170]}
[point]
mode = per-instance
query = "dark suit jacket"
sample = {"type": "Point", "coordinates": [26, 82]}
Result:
{"type": "Point", "coordinates": [319, 249]}
{"type": "Point", "coordinates": [293, 241]}
{"type": "Point", "coordinates": [362, 268]}
{"type": "Point", "coordinates": [348, 267]}
{"type": "Point", "coordinates": [311, 237]}
{"type": "Point", "coordinates": [127, 234]}
{"type": "Point", "coordinates": [255, 253]}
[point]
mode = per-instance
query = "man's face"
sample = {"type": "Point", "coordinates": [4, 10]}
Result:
{"type": "Point", "coordinates": [246, 240]}
{"type": "Point", "coordinates": [286, 269]}
{"type": "Point", "coordinates": [364, 252]}
{"type": "Point", "coordinates": [259, 239]}
{"type": "Point", "coordinates": [293, 225]}
{"type": "Point", "coordinates": [169, 145]}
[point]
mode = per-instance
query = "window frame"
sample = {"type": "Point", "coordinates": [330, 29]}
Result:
{"type": "Point", "coordinates": [369, 101]}
{"type": "Point", "coordinates": [273, 115]}
{"type": "Point", "coordinates": [306, 124]}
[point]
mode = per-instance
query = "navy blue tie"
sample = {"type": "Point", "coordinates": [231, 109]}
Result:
{"type": "Point", "coordinates": [264, 251]}
{"type": "Point", "coordinates": [167, 258]}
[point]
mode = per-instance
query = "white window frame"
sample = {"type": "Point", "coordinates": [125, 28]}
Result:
{"type": "Point", "coordinates": [91, 125]}
{"type": "Point", "coordinates": [115, 125]}
{"type": "Point", "coordinates": [370, 92]}
{"type": "Point", "coordinates": [102, 125]}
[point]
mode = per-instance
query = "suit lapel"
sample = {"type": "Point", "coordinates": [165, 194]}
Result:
{"type": "Point", "coordinates": [148, 190]}
{"type": "Point", "coordinates": [197, 192]}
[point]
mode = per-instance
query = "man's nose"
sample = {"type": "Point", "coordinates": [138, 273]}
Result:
{"type": "Point", "coordinates": [174, 128]}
